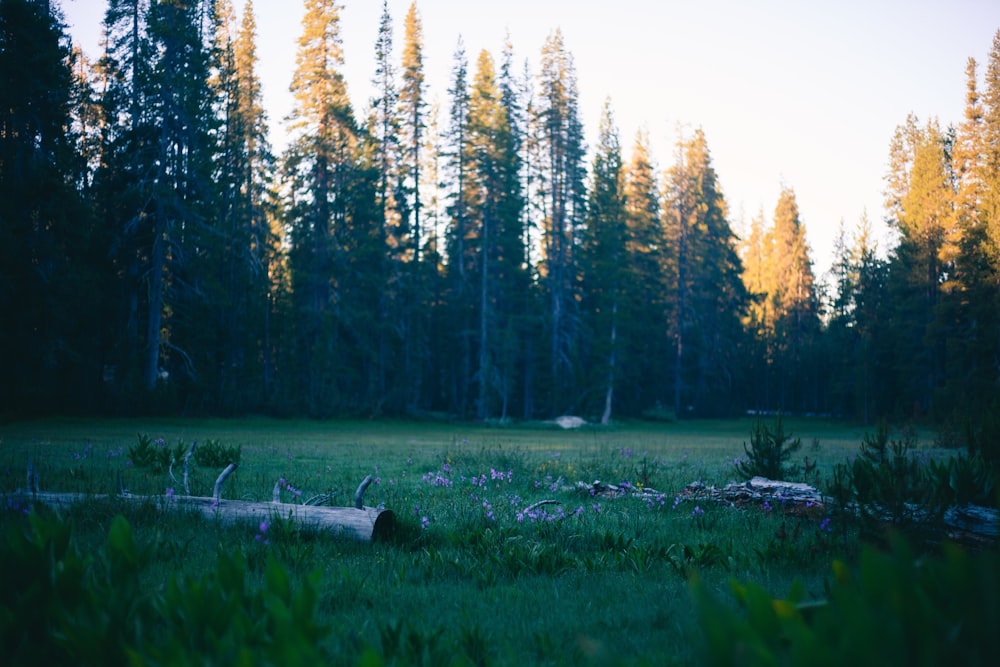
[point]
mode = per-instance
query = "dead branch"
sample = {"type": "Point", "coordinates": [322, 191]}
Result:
{"type": "Point", "coordinates": [187, 465]}
{"type": "Point", "coordinates": [217, 492]}
{"type": "Point", "coordinates": [359, 495]}
{"type": "Point", "coordinates": [540, 503]}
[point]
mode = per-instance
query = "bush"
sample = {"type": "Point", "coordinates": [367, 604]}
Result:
{"type": "Point", "coordinates": [896, 609]}
{"type": "Point", "coordinates": [154, 454]}
{"type": "Point", "coordinates": [963, 480]}
{"type": "Point", "coordinates": [213, 454]}
{"type": "Point", "coordinates": [768, 451]}
{"type": "Point", "coordinates": [61, 607]}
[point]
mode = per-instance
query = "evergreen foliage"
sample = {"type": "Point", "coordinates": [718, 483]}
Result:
{"type": "Point", "coordinates": [67, 608]}
{"type": "Point", "coordinates": [893, 608]}
{"type": "Point", "coordinates": [769, 450]}
{"type": "Point", "coordinates": [157, 258]}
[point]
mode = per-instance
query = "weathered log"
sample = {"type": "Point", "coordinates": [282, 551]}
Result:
{"type": "Point", "coordinates": [599, 489]}
{"type": "Point", "coordinates": [791, 496]}
{"type": "Point", "coordinates": [969, 524]}
{"type": "Point", "coordinates": [366, 524]}
{"type": "Point", "coordinates": [359, 522]}
{"type": "Point", "coordinates": [972, 524]}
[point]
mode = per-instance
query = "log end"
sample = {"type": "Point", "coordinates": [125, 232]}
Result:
{"type": "Point", "coordinates": [384, 527]}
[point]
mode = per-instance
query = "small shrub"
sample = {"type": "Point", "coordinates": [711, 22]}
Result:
{"type": "Point", "coordinates": [984, 440]}
{"type": "Point", "coordinates": [895, 610]}
{"type": "Point", "coordinates": [154, 454]}
{"type": "Point", "coordinates": [61, 607]}
{"type": "Point", "coordinates": [769, 449]}
{"type": "Point", "coordinates": [890, 485]}
{"type": "Point", "coordinates": [213, 454]}
{"type": "Point", "coordinates": [963, 480]}
{"type": "Point", "coordinates": [659, 413]}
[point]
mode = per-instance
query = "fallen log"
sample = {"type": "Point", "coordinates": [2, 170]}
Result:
{"type": "Point", "coordinates": [599, 489]}
{"type": "Point", "coordinates": [972, 525]}
{"type": "Point", "coordinates": [793, 497]}
{"type": "Point", "coordinates": [366, 524]}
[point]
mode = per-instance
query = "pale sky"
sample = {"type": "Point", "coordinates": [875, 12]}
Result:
{"type": "Point", "coordinates": [794, 92]}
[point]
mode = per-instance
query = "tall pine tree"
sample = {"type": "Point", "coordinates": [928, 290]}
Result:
{"type": "Point", "coordinates": [793, 306]}
{"type": "Point", "coordinates": [50, 263]}
{"type": "Point", "coordinates": [709, 299]}
{"type": "Point", "coordinates": [563, 204]}
{"type": "Point", "coordinates": [321, 165]}
{"type": "Point", "coordinates": [606, 279]}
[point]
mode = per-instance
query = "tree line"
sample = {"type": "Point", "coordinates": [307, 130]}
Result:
{"type": "Point", "coordinates": [477, 260]}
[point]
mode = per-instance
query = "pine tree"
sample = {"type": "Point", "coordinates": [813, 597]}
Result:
{"type": "Point", "coordinates": [990, 174]}
{"type": "Point", "coordinates": [869, 306]}
{"type": "Point", "coordinates": [969, 153]}
{"type": "Point", "coordinates": [536, 302]}
{"type": "Point", "coordinates": [122, 183]}
{"type": "Point", "coordinates": [495, 216]}
{"type": "Point", "coordinates": [794, 305]}
{"type": "Point", "coordinates": [412, 107]}
{"type": "Point", "coordinates": [241, 301]}
{"type": "Point", "coordinates": [50, 300]}
{"type": "Point", "coordinates": [384, 124]}
{"type": "Point", "coordinates": [606, 279]}
{"type": "Point", "coordinates": [414, 276]}
{"type": "Point", "coordinates": [484, 126]}
{"type": "Point", "coordinates": [709, 300]}
{"type": "Point", "coordinates": [461, 256]}
{"type": "Point", "coordinates": [759, 320]}
{"type": "Point", "coordinates": [854, 326]}
{"type": "Point", "coordinates": [320, 167]}
{"type": "Point", "coordinates": [923, 218]}
{"type": "Point", "coordinates": [184, 240]}
{"type": "Point", "coordinates": [645, 297]}
{"type": "Point", "coordinates": [515, 304]}
{"type": "Point", "coordinates": [562, 185]}
{"type": "Point", "coordinates": [155, 181]}
{"type": "Point", "coordinates": [967, 311]}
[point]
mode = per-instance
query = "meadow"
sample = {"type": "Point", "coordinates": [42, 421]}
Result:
{"type": "Point", "coordinates": [479, 570]}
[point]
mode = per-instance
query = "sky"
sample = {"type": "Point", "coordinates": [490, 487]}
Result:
{"type": "Point", "coordinates": [789, 93]}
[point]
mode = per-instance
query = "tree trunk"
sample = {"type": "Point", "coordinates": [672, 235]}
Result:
{"type": "Point", "coordinates": [154, 318]}
{"type": "Point", "coordinates": [610, 391]}
{"type": "Point", "coordinates": [366, 524]}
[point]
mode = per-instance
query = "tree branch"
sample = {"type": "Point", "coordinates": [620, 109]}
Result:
{"type": "Point", "coordinates": [359, 495]}
{"type": "Point", "coordinates": [217, 492]}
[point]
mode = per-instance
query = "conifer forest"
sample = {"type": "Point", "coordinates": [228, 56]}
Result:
{"type": "Point", "coordinates": [475, 260]}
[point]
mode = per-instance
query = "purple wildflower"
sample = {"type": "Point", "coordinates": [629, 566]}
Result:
{"type": "Point", "coordinates": [261, 535]}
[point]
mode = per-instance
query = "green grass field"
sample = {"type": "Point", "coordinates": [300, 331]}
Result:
{"type": "Point", "coordinates": [472, 575]}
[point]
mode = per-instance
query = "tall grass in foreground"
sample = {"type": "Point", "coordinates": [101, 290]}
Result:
{"type": "Point", "coordinates": [498, 558]}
